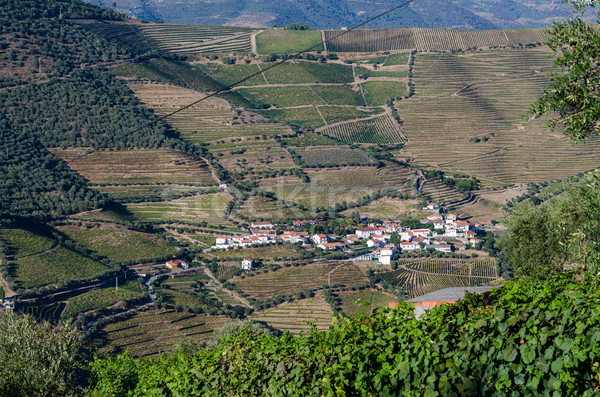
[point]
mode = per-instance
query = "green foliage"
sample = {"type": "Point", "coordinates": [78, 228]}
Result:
{"type": "Point", "coordinates": [538, 336]}
{"type": "Point", "coordinates": [573, 97]}
{"type": "Point", "coordinates": [34, 182]}
{"type": "Point", "coordinates": [37, 359]}
{"type": "Point", "coordinates": [561, 232]}
{"type": "Point", "coordinates": [92, 108]}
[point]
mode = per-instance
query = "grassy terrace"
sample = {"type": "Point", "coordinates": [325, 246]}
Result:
{"type": "Point", "coordinates": [287, 41]}
{"type": "Point", "coordinates": [153, 331]}
{"type": "Point", "coordinates": [466, 117]}
{"type": "Point", "coordinates": [323, 157]}
{"type": "Point", "coordinates": [41, 260]}
{"type": "Point", "coordinates": [296, 317]}
{"type": "Point", "coordinates": [117, 243]}
{"type": "Point", "coordinates": [294, 279]}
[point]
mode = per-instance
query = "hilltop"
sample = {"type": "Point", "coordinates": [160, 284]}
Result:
{"type": "Point", "coordinates": [334, 14]}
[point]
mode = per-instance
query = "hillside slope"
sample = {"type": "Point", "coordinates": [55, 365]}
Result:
{"type": "Point", "coordinates": [332, 14]}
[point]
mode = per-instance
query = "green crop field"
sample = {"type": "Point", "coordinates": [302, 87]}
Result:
{"type": "Point", "coordinates": [305, 116]}
{"type": "Point", "coordinates": [397, 59]}
{"type": "Point", "coordinates": [229, 74]}
{"type": "Point", "coordinates": [378, 92]}
{"type": "Point", "coordinates": [364, 302]}
{"type": "Point", "coordinates": [419, 277]}
{"type": "Point", "coordinates": [466, 117]}
{"type": "Point", "coordinates": [41, 260]}
{"type": "Point", "coordinates": [153, 331]}
{"type": "Point", "coordinates": [304, 72]}
{"type": "Point", "coordinates": [381, 129]}
{"type": "Point", "coordinates": [400, 74]}
{"type": "Point", "coordinates": [119, 244]}
{"type": "Point", "coordinates": [287, 41]}
{"type": "Point", "coordinates": [206, 207]}
{"type": "Point", "coordinates": [102, 298]}
{"type": "Point", "coordinates": [298, 316]}
{"type": "Point", "coordinates": [207, 121]}
{"type": "Point", "coordinates": [288, 280]}
{"type": "Point", "coordinates": [301, 96]}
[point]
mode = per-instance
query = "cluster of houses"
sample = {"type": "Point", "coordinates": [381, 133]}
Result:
{"type": "Point", "coordinates": [377, 237]}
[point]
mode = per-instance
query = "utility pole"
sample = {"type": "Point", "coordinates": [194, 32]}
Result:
{"type": "Point", "coordinates": [329, 280]}
{"type": "Point", "coordinates": [470, 271]}
{"type": "Point", "coordinates": [40, 65]}
{"type": "Point", "coordinates": [117, 284]}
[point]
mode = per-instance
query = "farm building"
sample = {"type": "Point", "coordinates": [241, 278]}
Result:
{"type": "Point", "coordinates": [177, 263]}
{"type": "Point", "coordinates": [247, 264]}
{"type": "Point", "coordinates": [262, 225]}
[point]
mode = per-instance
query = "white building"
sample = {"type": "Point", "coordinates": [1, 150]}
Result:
{"type": "Point", "coordinates": [408, 246]}
{"type": "Point", "coordinates": [247, 264]}
{"type": "Point", "coordinates": [320, 238]}
{"type": "Point", "coordinates": [262, 225]}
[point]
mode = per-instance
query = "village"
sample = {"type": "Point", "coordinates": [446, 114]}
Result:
{"type": "Point", "coordinates": [384, 240]}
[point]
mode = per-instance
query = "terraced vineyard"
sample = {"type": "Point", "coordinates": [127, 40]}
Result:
{"type": "Point", "coordinates": [117, 243]}
{"type": "Point", "coordinates": [193, 39]}
{"type": "Point", "coordinates": [137, 166]}
{"type": "Point", "coordinates": [331, 186]}
{"type": "Point", "coordinates": [207, 121]}
{"type": "Point", "coordinates": [40, 260]}
{"type": "Point", "coordinates": [380, 129]}
{"type": "Point", "coordinates": [419, 277]}
{"type": "Point", "coordinates": [273, 41]}
{"type": "Point", "coordinates": [466, 117]}
{"type": "Point", "coordinates": [323, 157]}
{"type": "Point", "coordinates": [364, 302]}
{"type": "Point", "coordinates": [102, 298]}
{"type": "Point", "coordinates": [153, 331]}
{"type": "Point", "coordinates": [288, 280]}
{"type": "Point", "coordinates": [262, 208]}
{"type": "Point", "coordinates": [296, 317]}
{"type": "Point", "coordinates": [248, 154]}
{"type": "Point", "coordinates": [203, 208]}
{"type": "Point", "coordinates": [385, 208]}
{"type": "Point", "coordinates": [367, 40]}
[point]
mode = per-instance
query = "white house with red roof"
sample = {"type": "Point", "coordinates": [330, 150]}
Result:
{"type": "Point", "coordinates": [293, 237]}
{"type": "Point", "coordinates": [462, 226]}
{"type": "Point", "coordinates": [408, 246]}
{"type": "Point", "coordinates": [177, 263]}
{"type": "Point", "coordinates": [421, 232]}
{"type": "Point", "coordinates": [320, 238]}
{"type": "Point", "coordinates": [247, 264]}
{"type": "Point", "coordinates": [366, 232]}
{"type": "Point", "coordinates": [331, 246]}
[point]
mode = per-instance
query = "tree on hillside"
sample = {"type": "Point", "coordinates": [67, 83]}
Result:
{"type": "Point", "coordinates": [561, 233]}
{"type": "Point", "coordinates": [573, 98]}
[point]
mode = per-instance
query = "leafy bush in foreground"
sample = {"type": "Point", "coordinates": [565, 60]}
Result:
{"type": "Point", "coordinates": [536, 338]}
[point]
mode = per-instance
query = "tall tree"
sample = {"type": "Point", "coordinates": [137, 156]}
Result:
{"type": "Point", "coordinates": [573, 98]}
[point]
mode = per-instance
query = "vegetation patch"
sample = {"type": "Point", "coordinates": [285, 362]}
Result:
{"type": "Point", "coordinates": [287, 41]}
{"type": "Point", "coordinates": [377, 93]}
{"type": "Point", "coordinates": [102, 298]}
{"type": "Point", "coordinates": [119, 244]}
